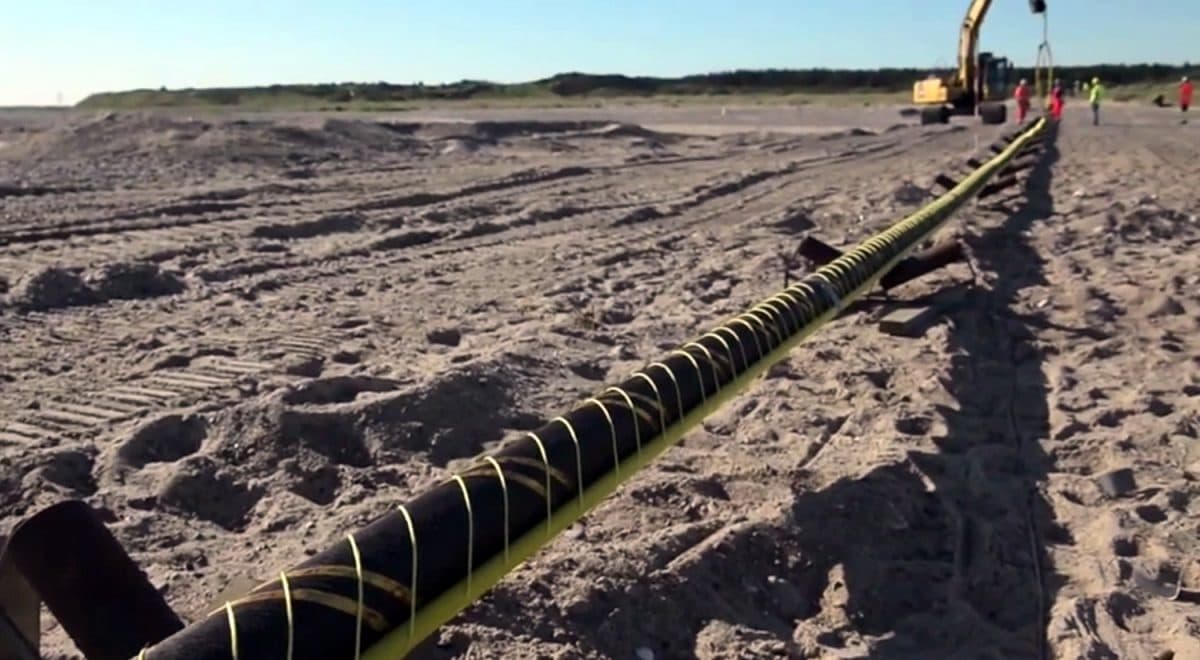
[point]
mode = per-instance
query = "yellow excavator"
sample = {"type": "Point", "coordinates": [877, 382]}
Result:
{"type": "Point", "coordinates": [980, 84]}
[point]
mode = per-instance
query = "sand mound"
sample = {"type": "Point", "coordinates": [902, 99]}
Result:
{"type": "Point", "coordinates": [25, 190]}
{"type": "Point", "coordinates": [54, 287]}
{"type": "Point", "coordinates": [263, 141]}
{"type": "Point", "coordinates": [1150, 221]}
{"type": "Point", "coordinates": [50, 287]}
{"type": "Point", "coordinates": [381, 135]}
{"type": "Point", "coordinates": [344, 389]}
{"type": "Point", "coordinates": [498, 130]}
{"type": "Point", "coordinates": [327, 224]}
{"type": "Point", "coordinates": [463, 146]}
{"type": "Point", "coordinates": [69, 469]}
{"type": "Point", "coordinates": [909, 193]}
{"type": "Point", "coordinates": [853, 132]}
{"type": "Point", "coordinates": [398, 240]}
{"type": "Point", "coordinates": [313, 439]}
{"type": "Point", "coordinates": [142, 135]}
{"type": "Point", "coordinates": [795, 219]}
{"type": "Point", "coordinates": [127, 141]}
{"type": "Point", "coordinates": [481, 133]}
{"type": "Point", "coordinates": [203, 489]}
{"type": "Point", "coordinates": [165, 439]}
{"type": "Point", "coordinates": [649, 137]}
{"type": "Point", "coordinates": [132, 280]}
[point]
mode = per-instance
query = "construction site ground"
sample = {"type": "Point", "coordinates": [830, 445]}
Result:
{"type": "Point", "coordinates": [243, 336]}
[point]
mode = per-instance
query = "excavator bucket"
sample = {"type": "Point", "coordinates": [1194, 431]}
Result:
{"type": "Point", "coordinates": [1037, 6]}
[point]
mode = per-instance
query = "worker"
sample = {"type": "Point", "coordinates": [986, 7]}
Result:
{"type": "Point", "coordinates": [1056, 100]}
{"type": "Point", "coordinates": [1185, 97]}
{"type": "Point", "coordinates": [1022, 97]}
{"type": "Point", "coordinates": [1096, 91]}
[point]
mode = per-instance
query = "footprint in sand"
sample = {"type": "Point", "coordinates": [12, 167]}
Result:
{"type": "Point", "coordinates": [319, 485]}
{"type": "Point", "coordinates": [71, 469]}
{"type": "Point", "coordinates": [163, 440]}
{"type": "Point", "coordinates": [200, 488]}
{"type": "Point", "coordinates": [914, 425]}
{"type": "Point", "coordinates": [444, 336]}
{"type": "Point", "coordinates": [1151, 513]}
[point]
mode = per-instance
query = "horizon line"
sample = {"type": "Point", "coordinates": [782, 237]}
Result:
{"type": "Point", "coordinates": [718, 72]}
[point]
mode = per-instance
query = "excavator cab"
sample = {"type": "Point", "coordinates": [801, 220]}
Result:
{"type": "Point", "coordinates": [995, 77]}
{"type": "Point", "coordinates": [992, 84]}
{"type": "Point", "coordinates": [987, 93]}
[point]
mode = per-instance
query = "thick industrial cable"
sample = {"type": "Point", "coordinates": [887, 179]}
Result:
{"type": "Point", "coordinates": [391, 584]}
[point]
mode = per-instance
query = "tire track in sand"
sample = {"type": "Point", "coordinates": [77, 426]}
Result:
{"type": "Point", "coordinates": [86, 412]}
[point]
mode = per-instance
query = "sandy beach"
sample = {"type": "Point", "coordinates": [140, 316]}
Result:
{"type": "Point", "coordinates": [242, 335]}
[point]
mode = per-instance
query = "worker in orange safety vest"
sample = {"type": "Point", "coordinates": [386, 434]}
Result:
{"type": "Point", "coordinates": [1185, 96]}
{"type": "Point", "coordinates": [1056, 100]}
{"type": "Point", "coordinates": [1022, 97]}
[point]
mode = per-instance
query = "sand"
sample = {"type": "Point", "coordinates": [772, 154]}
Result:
{"type": "Point", "coordinates": [243, 336]}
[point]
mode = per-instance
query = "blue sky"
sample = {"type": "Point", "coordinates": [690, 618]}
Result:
{"type": "Point", "coordinates": [72, 48]}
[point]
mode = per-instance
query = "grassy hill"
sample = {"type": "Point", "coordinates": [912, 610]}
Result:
{"type": "Point", "coordinates": [570, 88]}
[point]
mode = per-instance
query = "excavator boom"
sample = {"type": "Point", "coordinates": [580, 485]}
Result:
{"type": "Point", "coordinates": [968, 42]}
{"type": "Point", "coordinates": [968, 37]}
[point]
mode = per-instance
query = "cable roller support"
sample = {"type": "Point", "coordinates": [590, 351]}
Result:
{"type": "Point", "coordinates": [391, 584]}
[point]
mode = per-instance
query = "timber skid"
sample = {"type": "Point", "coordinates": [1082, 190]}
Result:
{"type": "Point", "coordinates": [910, 318]}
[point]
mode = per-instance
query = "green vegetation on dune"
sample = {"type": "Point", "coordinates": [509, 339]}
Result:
{"type": "Point", "coordinates": [797, 86]}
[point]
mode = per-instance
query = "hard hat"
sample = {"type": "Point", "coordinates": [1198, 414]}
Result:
{"type": "Point", "coordinates": [1095, 80]}
{"type": "Point", "coordinates": [1023, 81]}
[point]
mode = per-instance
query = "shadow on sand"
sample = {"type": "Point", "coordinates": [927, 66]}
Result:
{"type": "Point", "coordinates": [959, 570]}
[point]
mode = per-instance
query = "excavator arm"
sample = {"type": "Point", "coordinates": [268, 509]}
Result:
{"type": "Point", "coordinates": [968, 42]}
{"type": "Point", "coordinates": [968, 38]}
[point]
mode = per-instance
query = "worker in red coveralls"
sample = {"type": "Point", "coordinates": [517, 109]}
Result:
{"type": "Point", "coordinates": [1022, 96]}
{"type": "Point", "coordinates": [1185, 97]}
{"type": "Point", "coordinates": [1056, 100]}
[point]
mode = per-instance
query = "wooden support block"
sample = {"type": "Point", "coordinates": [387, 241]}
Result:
{"type": "Point", "coordinates": [1018, 166]}
{"type": "Point", "coordinates": [909, 321]}
{"type": "Point", "coordinates": [926, 261]}
{"type": "Point", "coordinates": [912, 320]}
{"type": "Point", "coordinates": [945, 181]}
{"type": "Point", "coordinates": [1117, 483]}
{"type": "Point", "coordinates": [996, 186]}
{"type": "Point", "coordinates": [818, 251]}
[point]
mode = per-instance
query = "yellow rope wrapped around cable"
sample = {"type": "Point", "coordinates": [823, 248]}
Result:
{"type": "Point", "coordinates": [388, 586]}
